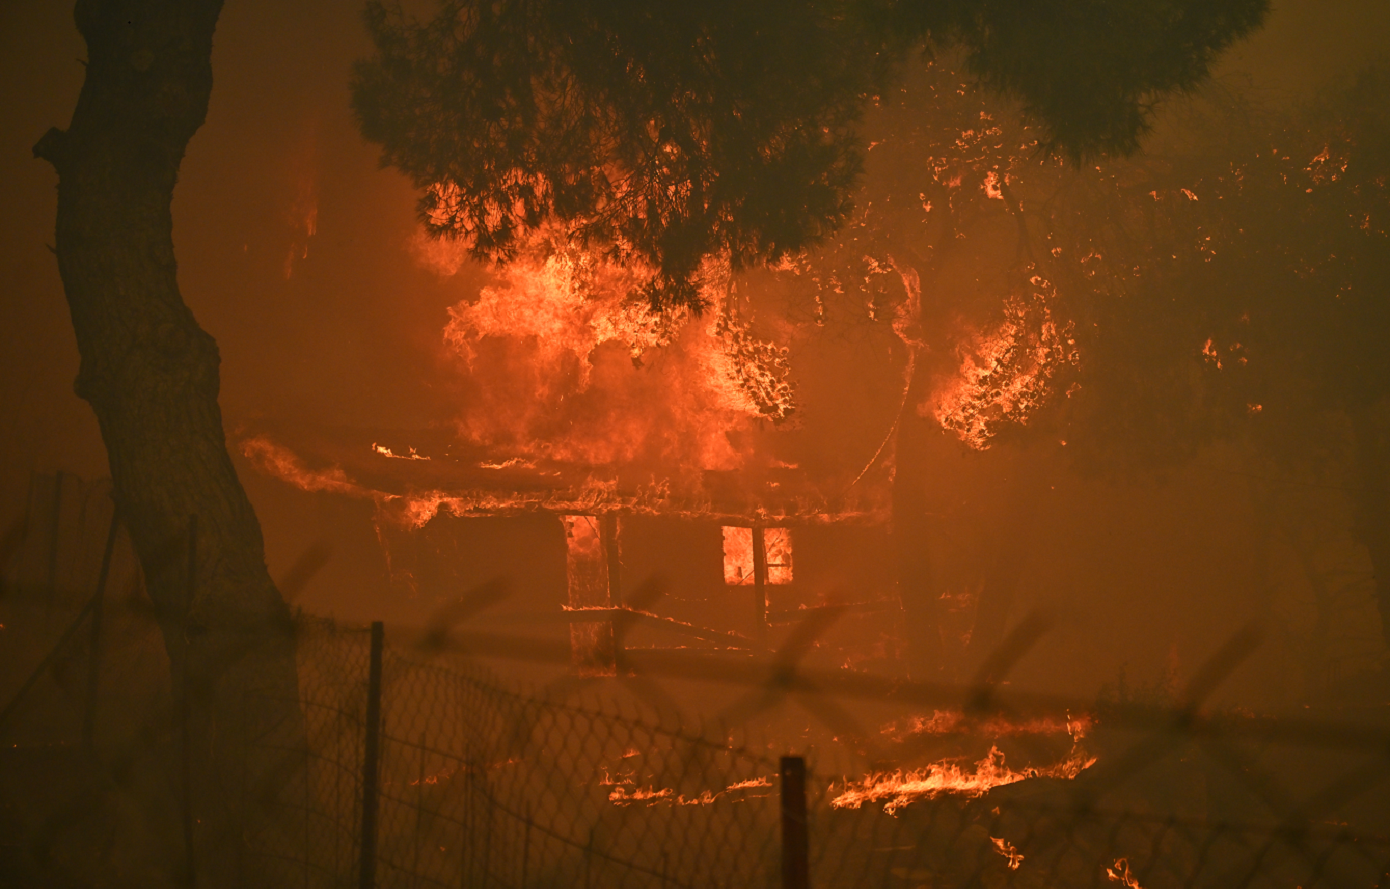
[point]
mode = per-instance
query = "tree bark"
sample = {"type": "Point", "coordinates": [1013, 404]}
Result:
{"type": "Point", "coordinates": [1011, 547]}
{"type": "Point", "coordinates": [910, 534]}
{"type": "Point", "coordinates": [150, 374]}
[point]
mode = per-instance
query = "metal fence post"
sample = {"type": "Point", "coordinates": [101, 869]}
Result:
{"type": "Point", "coordinates": [796, 868]}
{"type": "Point", "coordinates": [371, 756]}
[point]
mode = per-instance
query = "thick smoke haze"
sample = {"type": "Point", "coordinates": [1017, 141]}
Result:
{"type": "Point", "coordinates": [303, 259]}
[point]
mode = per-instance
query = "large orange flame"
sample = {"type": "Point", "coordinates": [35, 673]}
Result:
{"type": "Point", "coordinates": [572, 364]}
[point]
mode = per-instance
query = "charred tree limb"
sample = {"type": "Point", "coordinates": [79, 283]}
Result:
{"type": "Point", "coordinates": [151, 376]}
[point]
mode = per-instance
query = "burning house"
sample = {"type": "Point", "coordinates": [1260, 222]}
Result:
{"type": "Point", "coordinates": [615, 461]}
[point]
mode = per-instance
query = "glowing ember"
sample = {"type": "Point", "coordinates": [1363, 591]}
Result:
{"type": "Point", "coordinates": [898, 789]}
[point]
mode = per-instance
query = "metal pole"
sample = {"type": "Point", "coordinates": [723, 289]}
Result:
{"type": "Point", "coordinates": [185, 708]}
{"type": "Point", "coordinates": [466, 857]}
{"type": "Point", "coordinates": [371, 761]}
{"type": "Point", "coordinates": [419, 814]}
{"type": "Point", "coordinates": [94, 659]}
{"type": "Point", "coordinates": [796, 868]}
{"type": "Point", "coordinates": [526, 846]}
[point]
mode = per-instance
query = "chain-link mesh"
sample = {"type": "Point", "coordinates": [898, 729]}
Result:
{"type": "Point", "coordinates": [486, 783]}
{"type": "Point", "coordinates": [483, 783]}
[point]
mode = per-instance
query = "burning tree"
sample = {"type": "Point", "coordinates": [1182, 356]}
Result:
{"type": "Point", "coordinates": [734, 132]}
{"type": "Point", "coordinates": [727, 128]}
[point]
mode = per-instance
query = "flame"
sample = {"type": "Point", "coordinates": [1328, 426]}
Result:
{"type": "Point", "coordinates": [386, 452]}
{"type": "Point", "coordinates": [594, 495]}
{"type": "Point", "coordinates": [1005, 375]}
{"type": "Point", "coordinates": [946, 722]}
{"type": "Point", "coordinates": [626, 793]}
{"type": "Point", "coordinates": [1007, 849]}
{"type": "Point", "coordinates": [1120, 873]}
{"type": "Point", "coordinates": [282, 463]}
{"type": "Point", "coordinates": [993, 186]}
{"type": "Point", "coordinates": [738, 555]}
{"type": "Point", "coordinates": [898, 789]}
{"type": "Point", "coordinates": [571, 363]}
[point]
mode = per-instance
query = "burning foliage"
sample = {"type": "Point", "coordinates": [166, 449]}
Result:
{"type": "Point", "coordinates": [570, 364]}
{"type": "Point", "coordinates": [1006, 373]}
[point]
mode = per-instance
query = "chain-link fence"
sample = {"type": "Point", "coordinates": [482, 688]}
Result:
{"type": "Point", "coordinates": [481, 784]}
{"type": "Point", "coordinates": [484, 784]}
{"type": "Point", "coordinates": [421, 770]}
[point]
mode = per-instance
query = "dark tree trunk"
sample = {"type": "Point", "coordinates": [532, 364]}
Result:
{"type": "Point", "coordinates": [151, 376]}
{"type": "Point", "coordinates": [916, 590]}
{"type": "Point", "coordinates": [1009, 555]}
{"type": "Point", "coordinates": [1371, 503]}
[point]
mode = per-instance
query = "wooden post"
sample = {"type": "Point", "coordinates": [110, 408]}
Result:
{"type": "Point", "coordinates": [760, 585]}
{"type": "Point", "coordinates": [608, 534]}
{"type": "Point", "coordinates": [371, 756]}
{"type": "Point", "coordinates": [796, 868]}
{"type": "Point", "coordinates": [94, 651]}
{"type": "Point", "coordinates": [587, 587]}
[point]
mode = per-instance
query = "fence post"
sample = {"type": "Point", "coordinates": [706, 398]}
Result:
{"type": "Point", "coordinates": [94, 652]}
{"type": "Point", "coordinates": [796, 868]}
{"type": "Point", "coordinates": [371, 755]}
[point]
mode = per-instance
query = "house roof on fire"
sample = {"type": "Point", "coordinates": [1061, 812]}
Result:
{"type": "Point", "coordinates": [416, 474]}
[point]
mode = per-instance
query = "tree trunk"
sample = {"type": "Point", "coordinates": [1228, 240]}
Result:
{"type": "Point", "coordinates": [911, 543]}
{"type": "Point", "coordinates": [1011, 547]}
{"type": "Point", "coordinates": [151, 376]}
